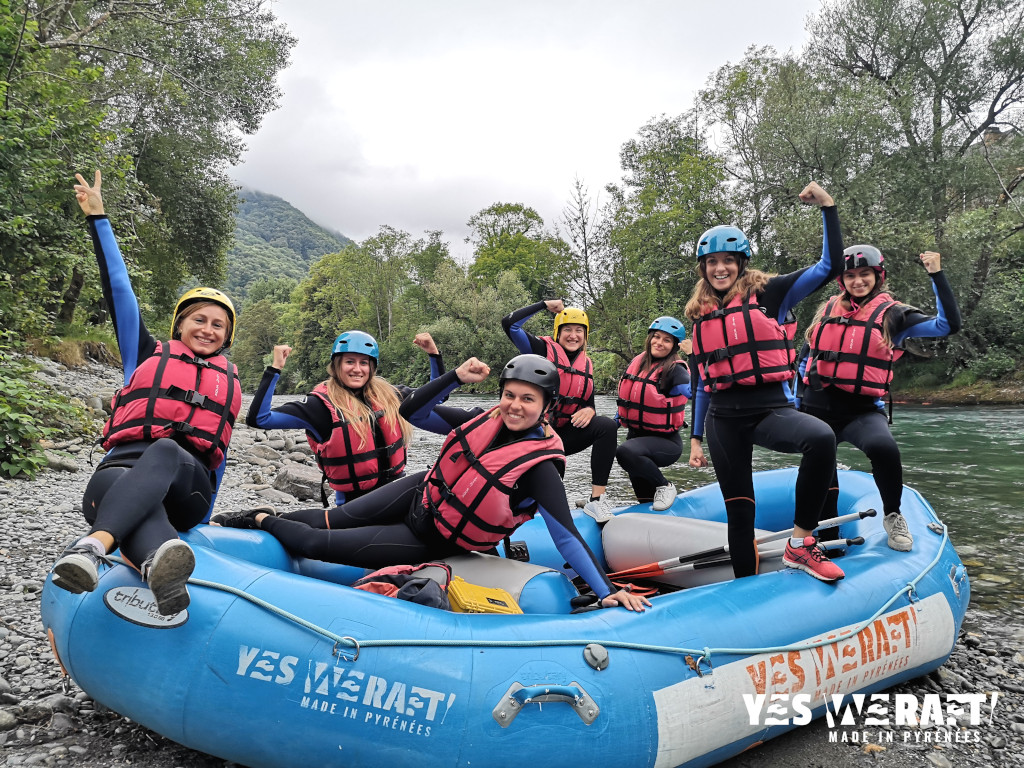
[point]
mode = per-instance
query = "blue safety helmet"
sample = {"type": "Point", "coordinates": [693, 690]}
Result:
{"type": "Point", "coordinates": [669, 325]}
{"type": "Point", "coordinates": [356, 341]}
{"type": "Point", "coordinates": [723, 238]}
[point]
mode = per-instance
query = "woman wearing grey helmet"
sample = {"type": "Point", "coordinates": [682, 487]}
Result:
{"type": "Point", "coordinates": [743, 347]}
{"type": "Point", "coordinates": [854, 340]}
{"type": "Point", "coordinates": [497, 469]}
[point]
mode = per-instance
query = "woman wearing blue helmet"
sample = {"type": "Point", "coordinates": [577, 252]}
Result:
{"type": "Point", "coordinates": [743, 347]}
{"type": "Point", "coordinates": [651, 405]}
{"type": "Point", "coordinates": [351, 419]}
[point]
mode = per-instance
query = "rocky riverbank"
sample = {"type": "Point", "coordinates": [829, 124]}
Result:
{"type": "Point", "coordinates": [41, 724]}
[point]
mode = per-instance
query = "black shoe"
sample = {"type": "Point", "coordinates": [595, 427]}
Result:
{"type": "Point", "coordinates": [244, 519]}
{"type": "Point", "coordinates": [78, 569]}
{"type": "Point", "coordinates": [166, 573]}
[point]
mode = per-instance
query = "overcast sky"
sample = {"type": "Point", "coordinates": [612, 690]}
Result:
{"type": "Point", "coordinates": [419, 113]}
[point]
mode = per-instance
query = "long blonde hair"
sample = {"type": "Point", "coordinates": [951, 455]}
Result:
{"type": "Point", "coordinates": [847, 305]}
{"type": "Point", "coordinates": [357, 411]}
{"type": "Point", "coordinates": [704, 298]}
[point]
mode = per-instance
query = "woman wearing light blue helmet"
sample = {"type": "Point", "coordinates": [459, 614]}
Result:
{"type": "Point", "coordinates": [351, 419]}
{"type": "Point", "coordinates": [652, 400]}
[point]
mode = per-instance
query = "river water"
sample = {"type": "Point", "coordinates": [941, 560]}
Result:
{"type": "Point", "coordinates": [968, 462]}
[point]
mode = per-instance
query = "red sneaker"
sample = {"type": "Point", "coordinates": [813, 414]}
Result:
{"type": "Point", "coordinates": [811, 559]}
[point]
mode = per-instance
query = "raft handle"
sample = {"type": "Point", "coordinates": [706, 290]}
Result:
{"type": "Point", "coordinates": [518, 696]}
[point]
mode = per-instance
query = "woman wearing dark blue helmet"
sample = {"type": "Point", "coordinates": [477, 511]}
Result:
{"type": "Point", "coordinates": [743, 347]}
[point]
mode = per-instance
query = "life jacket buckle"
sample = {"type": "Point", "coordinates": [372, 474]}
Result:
{"type": "Point", "coordinates": [195, 398]}
{"type": "Point", "coordinates": [182, 426]}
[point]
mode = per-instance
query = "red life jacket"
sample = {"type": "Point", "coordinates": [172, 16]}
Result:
{"type": "Point", "coordinates": [348, 467]}
{"type": "Point", "coordinates": [468, 488]}
{"type": "Point", "coordinates": [175, 394]}
{"type": "Point", "coordinates": [848, 350]}
{"type": "Point", "coordinates": [642, 406]}
{"type": "Point", "coordinates": [575, 385]}
{"type": "Point", "coordinates": [739, 344]}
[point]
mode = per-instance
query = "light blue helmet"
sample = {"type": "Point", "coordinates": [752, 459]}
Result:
{"type": "Point", "coordinates": [669, 325]}
{"type": "Point", "coordinates": [356, 341]}
{"type": "Point", "coordinates": [723, 238]}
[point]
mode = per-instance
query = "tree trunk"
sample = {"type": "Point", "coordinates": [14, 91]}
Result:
{"type": "Point", "coordinates": [70, 298]}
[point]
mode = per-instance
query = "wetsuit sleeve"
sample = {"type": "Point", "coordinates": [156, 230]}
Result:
{"type": "Point", "coordinates": [542, 482]}
{"type": "Point", "coordinates": [913, 323]}
{"type": "Point", "coordinates": [700, 402]}
{"type": "Point", "coordinates": [676, 383]}
{"type": "Point", "coordinates": [421, 408]}
{"type": "Point", "coordinates": [436, 366]}
{"type": "Point", "coordinates": [133, 340]}
{"type": "Point", "coordinates": [784, 292]}
{"type": "Point", "coordinates": [525, 341]}
{"type": "Point", "coordinates": [308, 414]}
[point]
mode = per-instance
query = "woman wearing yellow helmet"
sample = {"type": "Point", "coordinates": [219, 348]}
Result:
{"type": "Point", "coordinates": [167, 434]}
{"type": "Point", "coordinates": [574, 417]}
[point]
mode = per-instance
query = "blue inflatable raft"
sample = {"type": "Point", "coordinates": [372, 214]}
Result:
{"type": "Point", "coordinates": [275, 663]}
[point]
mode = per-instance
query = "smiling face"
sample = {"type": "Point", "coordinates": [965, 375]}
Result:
{"type": "Point", "coordinates": [572, 336]}
{"type": "Point", "coordinates": [353, 370]}
{"type": "Point", "coordinates": [661, 345]}
{"type": "Point", "coordinates": [521, 405]}
{"type": "Point", "coordinates": [860, 282]}
{"type": "Point", "coordinates": [722, 269]}
{"type": "Point", "coordinates": [204, 328]}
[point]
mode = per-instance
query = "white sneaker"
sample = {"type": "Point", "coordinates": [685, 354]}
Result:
{"type": "Point", "coordinates": [900, 537]}
{"type": "Point", "coordinates": [600, 510]}
{"type": "Point", "coordinates": [166, 574]}
{"type": "Point", "coordinates": [664, 495]}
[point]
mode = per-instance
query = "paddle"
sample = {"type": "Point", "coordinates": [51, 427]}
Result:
{"type": "Point", "coordinates": [722, 561]}
{"type": "Point", "coordinates": [656, 569]}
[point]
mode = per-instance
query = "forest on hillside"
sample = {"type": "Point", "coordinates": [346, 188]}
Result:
{"type": "Point", "coordinates": [273, 237]}
{"type": "Point", "coordinates": [909, 112]}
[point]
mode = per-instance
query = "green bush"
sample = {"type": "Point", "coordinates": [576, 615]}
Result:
{"type": "Point", "coordinates": [965, 379]}
{"type": "Point", "coordinates": [26, 408]}
{"type": "Point", "coordinates": [994, 364]}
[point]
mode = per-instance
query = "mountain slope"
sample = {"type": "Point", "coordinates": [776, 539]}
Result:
{"type": "Point", "coordinates": [274, 239]}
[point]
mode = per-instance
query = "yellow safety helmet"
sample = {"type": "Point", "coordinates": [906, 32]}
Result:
{"type": "Point", "coordinates": [572, 316]}
{"type": "Point", "coordinates": [205, 294]}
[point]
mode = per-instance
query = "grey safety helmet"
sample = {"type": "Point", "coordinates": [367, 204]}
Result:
{"type": "Point", "coordinates": [533, 369]}
{"type": "Point", "coordinates": [857, 256]}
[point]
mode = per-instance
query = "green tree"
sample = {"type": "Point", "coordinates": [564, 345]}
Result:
{"type": "Point", "coordinates": [670, 193]}
{"type": "Point", "coordinates": [510, 237]}
{"type": "Point", "coordinates": [175, 86]}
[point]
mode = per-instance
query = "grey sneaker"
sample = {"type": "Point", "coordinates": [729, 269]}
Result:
{"type": "Point", "coordinates": [664, 495]}
{"type": "Point", "coordinates": [78, 569]}
{"type": "Point", "coordinates": [900, 537]}
{"type": "Point", "coordinates": [167, 572]}
{"type": "Point", "coordinates": [600, 510]}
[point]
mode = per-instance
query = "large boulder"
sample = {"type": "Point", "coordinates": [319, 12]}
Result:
{"type": "Point", "coordinates": [299, 480]}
